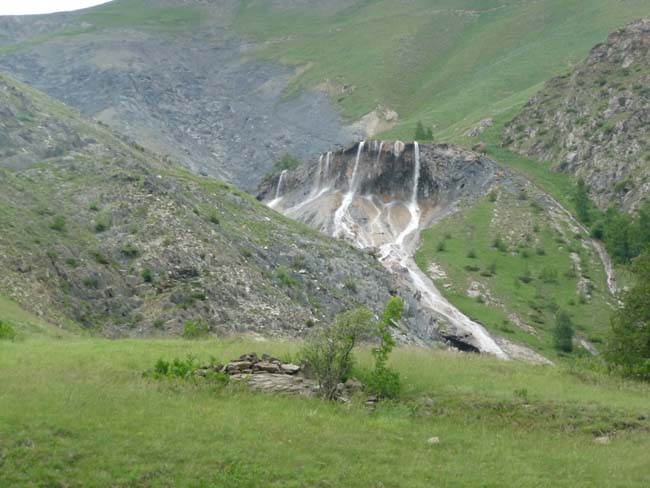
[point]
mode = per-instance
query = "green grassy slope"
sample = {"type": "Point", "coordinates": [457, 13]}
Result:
{"type": "Point", "coordinates": [448, 62]}
{"type": "Point", "coordinates": [80, 413]}
{"type": "Point", "coordinates": [518, 289]}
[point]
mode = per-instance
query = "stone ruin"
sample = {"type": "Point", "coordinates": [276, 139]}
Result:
{"type": "Point", "coordinates": [271, 375]}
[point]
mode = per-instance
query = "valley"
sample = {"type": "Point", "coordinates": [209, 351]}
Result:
{"type": "Point", "coordinates": [422, 227]}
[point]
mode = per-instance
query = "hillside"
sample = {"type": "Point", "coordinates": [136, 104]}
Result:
{"type": "Point", "coordinates": [481, 246]}
{"type": "Point", "coordinates": [225, 87]}
{"type": "Point", "coordinates": [102, 233]}
{"type": "Point", "coordinates": [593, 122]}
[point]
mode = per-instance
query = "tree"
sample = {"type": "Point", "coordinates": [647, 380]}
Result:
{"type": "Point", "coordinates": [422, 134]}
{"type": "Point", "coordinates": [563, 332]}
{"type": "Point", "coordinates": [582, 202]}
{"type": "Point", "coordinates": [329, 352]}
{"type": "Point", "coordinates": [628, 347]}
{"type": "Point", "coordinates": [385, 381]}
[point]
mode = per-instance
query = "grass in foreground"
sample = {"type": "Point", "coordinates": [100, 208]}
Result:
{"type": "Point", "coordinates": [79, 413]}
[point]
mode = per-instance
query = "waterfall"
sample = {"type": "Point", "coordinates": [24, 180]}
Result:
{"type": "Point", "coordinates": [319, 176]}
{"type": "Point", "coordinates": [341, 213]}
{"type": "Point", "coordinates": [413, 207]}
{"type": "Point", "coordinates": [381, 146]}
{"type": "Point", "coordinates": [398, 148]}
{"type": "Point", "coordinates": [278, 192]}
{"type": "Point", "coordinates": [328, 160]}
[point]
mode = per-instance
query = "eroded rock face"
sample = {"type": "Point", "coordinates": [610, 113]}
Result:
{"type": "Point", "coordinates": [595, 122]}
{"type": "Point", "coordinates": [378, 195]}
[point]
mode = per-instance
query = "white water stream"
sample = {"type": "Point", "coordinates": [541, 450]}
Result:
{"type": "Point", "coordinates": [397, 254]}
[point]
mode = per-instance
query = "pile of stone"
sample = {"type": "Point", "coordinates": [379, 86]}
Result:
{"type": "Point", "coordinates": [252, 364]}
{"type": "Point", "coordinates": [269, 374]}
{"type": "Point", "coordinates": [266, 373]}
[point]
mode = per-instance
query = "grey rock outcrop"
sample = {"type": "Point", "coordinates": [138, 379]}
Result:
{"type": "Point", "coordinates": [594, 123]}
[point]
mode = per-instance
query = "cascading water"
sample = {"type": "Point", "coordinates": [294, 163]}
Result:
{"type": "Point", "coordinates": [413, 207]}
{"type": "Point", "coordinates": [278, 191]}
{"type": "Point", "coordinates": [381, 226]}
{"type": "Point", "coordinates": [340, 226]}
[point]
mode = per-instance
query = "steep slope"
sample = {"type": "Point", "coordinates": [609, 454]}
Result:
{"type": "Point", "coordinates": [227, 86]}
{"type": "Point", "coordinates": [108, 235]}
{"type": "Point", "coordinates": [594, 123]}
{"type": "Point", "coordinates": [173, 76]}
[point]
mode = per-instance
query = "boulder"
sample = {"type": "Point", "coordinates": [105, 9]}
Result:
{"type": "Point", "coordinates": [290, 368]}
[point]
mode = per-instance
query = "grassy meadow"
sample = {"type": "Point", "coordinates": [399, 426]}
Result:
{"type": "Point", "coordinates": [78, 412]}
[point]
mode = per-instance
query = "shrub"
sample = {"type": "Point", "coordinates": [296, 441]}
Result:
{"type": "Point", "coordinates": [499, 245]}
{"type": "Point", "coordinates": [422, 134]}
{"type": "Point", "coordinates": [147, 275]}
{"type": "Point", "coordinates": [441, 246]}
{"type": "Point", "coordinates": [101, 225]}
{"type": "Point", "coordinates": [196, 329]}
{"type": "Point", "coordinates": [563, 332]}
{"type": "Point", "coordinates": [351, 285]}
{"type": "Point", "coordinates": [58, 224]}
{"type": "Point", "coordinates": [493, 196]}
{"type": "Point", "coordinates": [384, 381]}
{"type": "Point", "coordinates": [329, 350]}
{"type": "Point", "coordinates": [527, 277]}
{"type": "Point", "coordinates": [213, 217]}
{"type": "Point", "coordinates": [100, 258]}
{"type": "Point", "coordinates": [130, 251]}
{"type": "Point", "coordinates": [548, 275]}
{"type": "Point", "coordinates": [471, 254]}
{"type": "Point", "coordinates": [7, 332]}
{"type": "Point", "coordinates": [286, 277]}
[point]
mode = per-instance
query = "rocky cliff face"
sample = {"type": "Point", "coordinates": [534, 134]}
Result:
{"type": "Point", "coordinates": [103, 233]}
{"type": "Point", "coordinates": [595, 122]}
{"type": "Point", "coordinates": [379, 195]}
{"type": "Point", "coordinates": [173, 77]}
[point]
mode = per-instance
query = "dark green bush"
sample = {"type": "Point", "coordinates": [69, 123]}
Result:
{"type": "Point", "coordinates": [7, 332]}
{"type": "Point", "coordinates": [196, 329]}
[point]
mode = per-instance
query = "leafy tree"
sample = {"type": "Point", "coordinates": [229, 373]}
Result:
{"type": "Point", "coordinates": [329, 352]}
{"type": "Point", "coordinates": [563, 332]}
{"type": "Point", "coordinates": [423, 134]}
{"type": "Point", "coordinates": [385, 381]}
{"type": "Point", "coordinates": [628, 347]}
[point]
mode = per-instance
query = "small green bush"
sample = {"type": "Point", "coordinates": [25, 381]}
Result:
{"type": "Point", "coordinates": [286, 277]}
{"type": "Point", "coordinates": [130, 251]}
{"type": "Point", "coordinates": [384, 381]}
{"type": "Point", "coordinates": [563, 332]}
{"type": "Point", "coordinates": [329, 350]}
{"type": "Point", "coordinates": [7, 332]}
{"type": "Point", "coordinates": [147, 275]}
{"type": "Point", "coordinates": [196, 329]}
{"type": "Point", "coordinates": [58, 224]}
